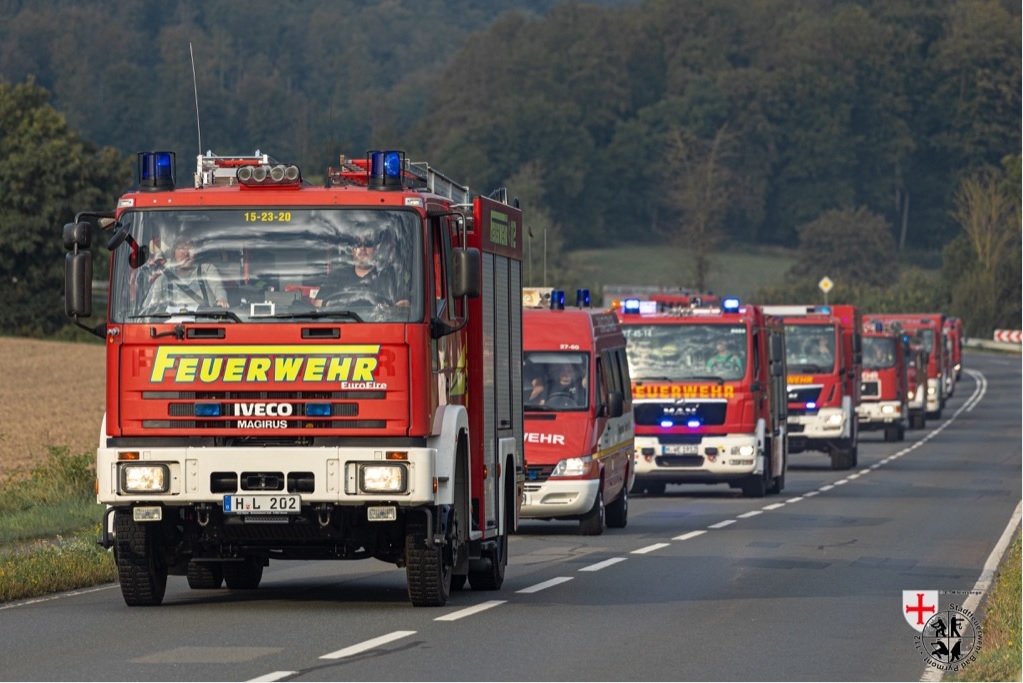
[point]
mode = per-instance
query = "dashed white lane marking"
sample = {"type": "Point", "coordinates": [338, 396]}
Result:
{"type": "Point", "coordinates": [826, 487]}
{"type": "Point", "coordinates": [650, 548]}
{"type": "Point", "coordinates": [775, 506]}
{"type": "Point", "coordinates": [367, 645]}
{"type": "Point", "coordinates": [691, 534]}
{"type": "Point", "coordinates": [272, 676]}
{"type": "Point", "coordinates": [602, 565]}
{"type": "Point", "coordinates": [722, 525]}
{"type": "Point", "coordinates": [469, 611]}
{"type": "Point", "coordinates": [751, 513]}
{"type": "Point", "coordinates": [545, 584]}
{"type": "Point", "coordinates": [810, 494]}
{"type": "Point", "coordinates": [794, 500]}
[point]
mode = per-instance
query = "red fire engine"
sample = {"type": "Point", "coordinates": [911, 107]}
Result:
{"type": "Point", "coordinates": [884, 382]}
{"type": "Point", "coordinates": [708, 388]}
{"type": "Point", "coordinates": [954, 332]}
{"type": "Point", "coordinates": [824, 358]}
{"type": "Point", "coordinates": [929, 329]}
{"type": "Point", "coordinates": [307, 372]}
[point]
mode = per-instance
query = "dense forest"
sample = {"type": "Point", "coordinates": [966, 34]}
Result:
{"type": "Point", "coordinates": [850, 129]}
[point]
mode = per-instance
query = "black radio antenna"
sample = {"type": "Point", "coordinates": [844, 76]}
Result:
{"type": "Point", "coordinates": [195, 89]}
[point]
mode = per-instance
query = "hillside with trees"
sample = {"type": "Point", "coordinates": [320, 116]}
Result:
{"type": "Point", "coordinates": [836, 127]}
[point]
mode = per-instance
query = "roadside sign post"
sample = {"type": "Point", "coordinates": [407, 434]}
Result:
{"type": "Point", "coordinates": [825, 284]}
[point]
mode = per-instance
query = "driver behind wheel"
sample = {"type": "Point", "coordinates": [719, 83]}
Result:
{"type": "Point", "coordinates": [363, 277]}
{"type": "Point", "coordinates": [565, 385]}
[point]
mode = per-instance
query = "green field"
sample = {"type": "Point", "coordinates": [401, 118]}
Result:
{"type": "Point", "coordinates": [737, 272]}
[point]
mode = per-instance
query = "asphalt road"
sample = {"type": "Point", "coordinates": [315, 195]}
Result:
{"type": "Point", "coordinates": [701, 585]}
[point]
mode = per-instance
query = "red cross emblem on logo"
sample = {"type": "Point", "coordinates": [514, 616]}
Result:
{"type": "Point", "coordinates": [918, 607]}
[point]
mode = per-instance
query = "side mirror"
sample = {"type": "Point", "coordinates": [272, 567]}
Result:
{"type": "Point", "coordinates": [465, 273]}
{"type": "Point", "coordinates": [78, 284]}
{"type": "Point", "coordinates": [615, 404]}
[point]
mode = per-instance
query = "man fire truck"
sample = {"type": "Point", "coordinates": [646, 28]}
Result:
{"type": "Point", "coordinates": [352, 397]}
{"type": "Point", "coordinates": [929, 330]}
{"type": "Point", "coordinates": [708, 388]}
{"type": "Point", "coordinates": [884, 382]}
{"type": "Point", "coordinates": [824, 358]}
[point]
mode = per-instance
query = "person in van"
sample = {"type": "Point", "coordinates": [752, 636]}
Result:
{"type": "Point", "coordinates": [566, 386]}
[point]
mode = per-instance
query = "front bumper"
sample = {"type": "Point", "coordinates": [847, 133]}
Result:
{"type": "Point", "coordinates": [557, 498]}
{"type": "Point", "coordinates": [716, 458]}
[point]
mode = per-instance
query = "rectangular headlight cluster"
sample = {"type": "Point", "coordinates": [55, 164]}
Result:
{"type": "Point", "coordinates": [383, 478]}
{"type": "Point", "coordinates": [144, 478]}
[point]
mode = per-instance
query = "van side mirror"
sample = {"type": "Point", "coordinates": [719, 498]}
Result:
{"type": "Point", "coordinates": [615, 404]}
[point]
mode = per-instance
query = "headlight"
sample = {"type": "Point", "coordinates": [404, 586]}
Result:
{"type": "Point", "coordinates": [383, 478]}
{"type": "Point", "coordinates": [144, 478]}
{"type": "Point", "coordinates": [744, 451]}
{"type": "Point", "coordinates": [573, 467]}
{"type": "Point", "coordinates": [836, 419]}
{"type": "Point", "coordinates": [931, 390]}
{"type": "Point", "coordinates": [887, 410]}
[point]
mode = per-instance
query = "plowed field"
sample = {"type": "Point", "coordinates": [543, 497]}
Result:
{"type": "Point", "coordinates": [51, 394]}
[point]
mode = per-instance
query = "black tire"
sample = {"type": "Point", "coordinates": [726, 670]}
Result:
{"type": "Point", "coordinates": [891, 433]}
{"type": "Point", "coordinates": [617, 513]}
{"type": "Point", "coordinates": [427, 573]}
{"type": "Point", "coordinates": [205, 575]}
{"type": "Point", "coordinates": [655, 488]}
{"type": "Point", "coordinates": [754, 486]}
{"type": "Point", "coordinates": [778, 483]}
{"type": "Point", "coordinates": [243, 575]}
{"type": "Point", "coordinates": [917, 421]}
{"type": "Point", "coordinates": [458, 581]}
{"type": "Point", "coordinates": [487, 573]}
{"type": "Point", "coordinates": [140, 566]}
{"type": "Point", "coordinates": [594, 522]}
{"type": "Point", "coordinates": [900, 434]}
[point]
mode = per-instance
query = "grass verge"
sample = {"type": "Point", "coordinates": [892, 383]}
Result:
{"type": "Point", "coordinates": [999, 659]}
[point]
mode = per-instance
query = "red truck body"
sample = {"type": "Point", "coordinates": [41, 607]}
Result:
{"type": "Point", "coordinates": [292, 423]}
{"type": "Point", "coordinates": [928, 328]}
{"type": "Point", "coordinates": [884, 383]}
{"type": "Point", "coordinates": [954, 332]}
{"type": "Point", "coordinates": [708, 387]}
{"type": "Point", "coordinates": [823, 359]}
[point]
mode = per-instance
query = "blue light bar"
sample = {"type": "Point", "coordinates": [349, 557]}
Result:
{"type": "Point", "coordinates": [693, 424]}
{"type": "Point", "coordinates": [811, 405]}
{"type": "Point", "coordinates": [826, 310]}
{"type": "Point", "coordinates": [317, 409]}
{"type": "Point", "coordinates": [631, 306]}
{"type": "Point", "coordinates": [667, 423]}
{"type": "Point", "coordinates": [156, 170]}
{"type": "Point", "coordinates": [558, 299]}
{"type": "Point", "coordinates": [730, 304]}
{"type": "Point", "coordinates": [582, 298]}
{"type": "Point", "coordinates": [385, 169]}
{"type": "Point", "coordinates": [207, 410]}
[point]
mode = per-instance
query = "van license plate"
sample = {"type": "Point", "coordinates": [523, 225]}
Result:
{"type": "Point", "coordinates": [682, 449]}
{"type": "Point", "coordinates": [262, 504]}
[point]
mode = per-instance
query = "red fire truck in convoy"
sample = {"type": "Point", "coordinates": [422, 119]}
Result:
{"type": "Point", "coordinates": [884, 382]}
{"type": "Point", "coordinates": [916, 380]}
{"type": "Point", "coordinates": [954, 332]}
{"type": "Point", "coordinates": [708, 389]}
{"type": "Point", "coordinates": [823, 355]}
{"type": "Point", "coordinates": [578, 412]}
{"type": "Point", "coordinates": [928, 328]}
{"type": "Point", "coordinates": [283, 408]}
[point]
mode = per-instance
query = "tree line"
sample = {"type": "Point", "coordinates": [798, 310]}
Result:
{"type": "Point", "coordinates": [696, 123]}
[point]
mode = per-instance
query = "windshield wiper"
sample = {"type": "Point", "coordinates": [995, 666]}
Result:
{"type": "Point", "coordinates": [320, 314]}
{"type": "Point", "coordinates": [661, 378]}
{"type": "Point", "coordinates": [706, 378]}
{"type": "Point", "coordinates": [217, 314]}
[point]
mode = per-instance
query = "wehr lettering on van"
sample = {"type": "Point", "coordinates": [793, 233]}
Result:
{"type": "Point", "coordinates": [342, 363]}
{"type": "Point", "coordinates": [683, 391]}
{"type": "Point", "coordinates": [549, 439]}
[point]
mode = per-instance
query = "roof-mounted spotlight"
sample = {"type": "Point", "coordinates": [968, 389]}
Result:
{"type": "Point", "coordinates": [156, 171]}
{"type": "Point", "coordinates": [385, 169]}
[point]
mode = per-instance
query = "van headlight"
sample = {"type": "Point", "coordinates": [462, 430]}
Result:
{"type": "Point", "coordinates": [144, 478]}
{"type": "Point", "coordinates": [573, 467]}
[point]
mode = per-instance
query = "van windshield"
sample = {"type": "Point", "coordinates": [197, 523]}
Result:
{"type": "Point", "coordinates": [555, 380]}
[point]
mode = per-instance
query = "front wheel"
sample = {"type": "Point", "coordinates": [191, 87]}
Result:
{"type": "Point", "coordinates": [427, 574]}
{"type": "Point", "coordinates": [593, 522]}
{"type": "Point", "coordinates": [140, 567]}
{"type": "Point", "coordinates": [618, 511]}
{"type": "Point", "coordinates": [205, 575]}
{"type": "Point", "coordinates": [244, 574]}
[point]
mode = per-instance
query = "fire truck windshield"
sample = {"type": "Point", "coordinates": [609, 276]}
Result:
{"type": "Point", "coordinates": [261, 264]}
{"type": "Point", "coordinates": [810, 348]}
{"type": "Point", "coordinates": [878, 353]}
{"type": "Point", "coordinates": [680, 352]}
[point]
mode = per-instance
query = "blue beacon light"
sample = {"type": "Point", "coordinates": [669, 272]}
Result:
{"type": "Point", "coordinates": [730, 304]}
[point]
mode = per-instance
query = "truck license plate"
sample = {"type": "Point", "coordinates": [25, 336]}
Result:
{"type": "Point", "coordinates": [262, 504]}
{"type": "Point", "coordinates": [682, 449]}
